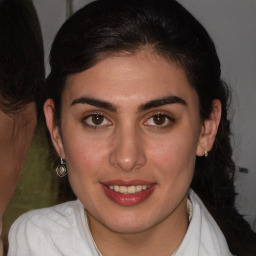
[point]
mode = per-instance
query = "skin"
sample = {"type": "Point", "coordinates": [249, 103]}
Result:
{"type": "Point", "coordinates": [129, 143]}
{"type": "Point", "coordinates": [16, 132]}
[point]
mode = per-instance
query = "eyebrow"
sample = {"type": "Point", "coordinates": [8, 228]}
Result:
{"type": "Point", "coordinates": [148, 105]}
{"type": "Point", "coordinates": [94, 102]}
{"type": "Point", "coordinates": [161, 102]}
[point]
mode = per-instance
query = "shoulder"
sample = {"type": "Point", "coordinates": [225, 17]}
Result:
{"type": "Point", "coordinates": [212, 238]}
{"type": "Point", "coordinates": [47, 229]}
{"type": "Point", "coordinates": [61, 215]}
{"type": "Point", "coordinates": [203, 236]}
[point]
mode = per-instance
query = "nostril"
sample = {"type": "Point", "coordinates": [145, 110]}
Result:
{"type": "Point", "coordinates": [127, 153]}
{"type": "Point", "coordinates": [127, 162]}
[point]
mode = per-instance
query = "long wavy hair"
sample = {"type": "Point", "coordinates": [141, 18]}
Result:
{"type": "Point", "coordinates": [107, 27]}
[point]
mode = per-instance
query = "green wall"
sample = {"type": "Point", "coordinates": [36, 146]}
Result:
{"type": "Point", "coordinates": [37, 186]}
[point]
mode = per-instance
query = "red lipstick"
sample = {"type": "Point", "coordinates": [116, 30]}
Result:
{"type": "Point", "coordinates": [128, 199]}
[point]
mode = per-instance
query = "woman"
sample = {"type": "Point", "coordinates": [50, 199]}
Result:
{"type": "Point", "coordinates": [134, 102]}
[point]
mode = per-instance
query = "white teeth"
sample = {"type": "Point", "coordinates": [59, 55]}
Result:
{"type": "Point", "coordinates": [122, 189]}
{"type": "Point", "coordinates": [128, 189]}
{"type": "Point", "coordinates": [131, 189]}
{"type": "Point", "coordinates": [138, 188]}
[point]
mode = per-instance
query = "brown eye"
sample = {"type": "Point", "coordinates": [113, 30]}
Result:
{"type": "Point", "coordinates": [159, 119]}
{"type": "Point", "coordinates": [96, 120]}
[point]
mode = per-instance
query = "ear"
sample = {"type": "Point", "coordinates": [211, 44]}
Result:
{"type": "Point", "coordinates": [49, 112]}
{"type": "Point", "coordinates": [209, 129]}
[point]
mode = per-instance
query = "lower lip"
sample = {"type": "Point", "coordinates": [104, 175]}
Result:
{"type": "Point", "coordinates": [128, 199]}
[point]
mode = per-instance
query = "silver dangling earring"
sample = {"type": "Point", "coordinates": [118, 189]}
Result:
{"type": "Point", "coordinates": [205, 153]}
{"type": "Point", "coordinates": [61, 169]}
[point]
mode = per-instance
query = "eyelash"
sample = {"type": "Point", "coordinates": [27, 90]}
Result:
{"type": "Point", "coordinates": [167, 121]}
{"type": "Point", "coordinates": [95, 126]}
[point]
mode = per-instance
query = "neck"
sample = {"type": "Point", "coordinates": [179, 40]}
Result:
{"type": "Point", "coordinates": [162, 239]}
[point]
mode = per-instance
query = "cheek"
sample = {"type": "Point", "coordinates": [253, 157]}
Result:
{"type": "Point", "coordinates": [175, 149]}
{"type": "Point", "coordinates": [174, 155]}
{"type": "Point", "coordinates": [84, 159]}
{"type": "Point", "coordinates": [84, 154]}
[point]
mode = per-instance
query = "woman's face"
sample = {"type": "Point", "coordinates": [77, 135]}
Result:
{"type": "Point", "coordinates": [130, 132]}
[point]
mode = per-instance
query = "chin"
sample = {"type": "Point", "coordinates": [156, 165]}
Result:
{"type": "Point", "coordinates": [130, 223]}
{"type": "Point", "coordinates": [130, 228]}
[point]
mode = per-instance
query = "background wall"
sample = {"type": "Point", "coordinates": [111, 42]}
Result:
{"type": "Point", "coordinates": [232, 25]}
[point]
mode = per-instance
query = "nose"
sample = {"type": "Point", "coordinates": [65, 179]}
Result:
{"type": "Point", "coordinates": [127, 153]}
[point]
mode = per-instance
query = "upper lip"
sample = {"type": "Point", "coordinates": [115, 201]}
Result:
{"type": "Point", "coordinates": [127, 183]}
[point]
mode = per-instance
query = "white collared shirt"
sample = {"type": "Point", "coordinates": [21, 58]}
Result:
{"type": "Point", "coordinates": [63, 230]}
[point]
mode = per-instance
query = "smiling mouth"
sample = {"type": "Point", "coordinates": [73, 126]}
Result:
{"type": "Point", "coordinates": [128, 194]}
{"type": "Point", "coordinates": [126, 190]}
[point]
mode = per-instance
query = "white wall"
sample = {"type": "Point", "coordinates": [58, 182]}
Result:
{"type": "Point", "coordinates": [232, 25]}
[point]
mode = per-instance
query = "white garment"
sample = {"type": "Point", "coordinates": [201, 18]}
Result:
{"type": "Point", "coordinates": [63, 230]}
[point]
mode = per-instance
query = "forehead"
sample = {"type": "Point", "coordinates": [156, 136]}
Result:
{"type": "Point", "coordinates": [130, 79]}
